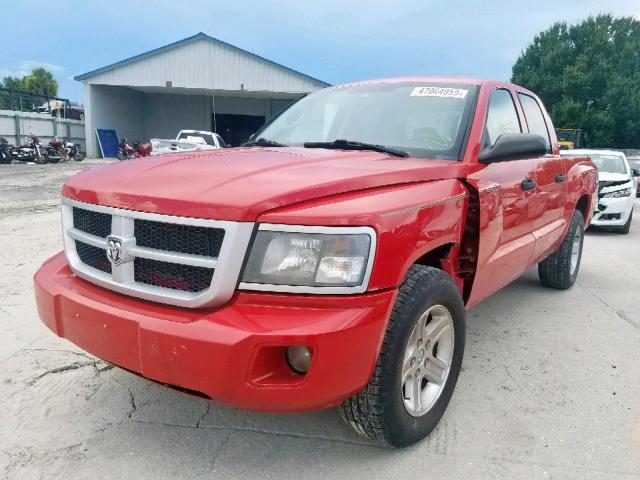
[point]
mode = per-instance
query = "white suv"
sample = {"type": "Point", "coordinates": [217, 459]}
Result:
{"type": "Point", "coordinates": [616, 188]}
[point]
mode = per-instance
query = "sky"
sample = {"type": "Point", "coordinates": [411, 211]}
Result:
{"type": "Point", "coordinates": [334, 40]}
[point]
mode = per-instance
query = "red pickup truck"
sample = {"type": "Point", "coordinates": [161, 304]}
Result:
{"type": "Point", "coordinates": [331, 259]}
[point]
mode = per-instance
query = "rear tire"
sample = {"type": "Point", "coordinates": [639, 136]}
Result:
{"type": "Point", "coordinates": [426, 331]}
{"type": "Point", "coordinates": [627, 226]}
{"type": "Point", "coordinates": [560, 269]}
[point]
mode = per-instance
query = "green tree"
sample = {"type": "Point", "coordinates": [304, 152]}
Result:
{"type": "Point", "coordinates": [588, 76]}
{"type": "Point", "coordinates": [13, 83]}
{"type": "Point", "coordinates": [41, 81]}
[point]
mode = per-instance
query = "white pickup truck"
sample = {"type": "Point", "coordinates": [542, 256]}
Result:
{"type": "Point", "coordinates": [188, 140]}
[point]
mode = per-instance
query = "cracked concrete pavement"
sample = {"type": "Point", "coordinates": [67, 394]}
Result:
{"type": "Point", "coordinates": [550, 386]}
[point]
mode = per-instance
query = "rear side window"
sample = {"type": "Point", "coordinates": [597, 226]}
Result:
{"type": "Point", "coordinates": [535, 118]}
{"type": "Point", "coordinates": [502, 116]}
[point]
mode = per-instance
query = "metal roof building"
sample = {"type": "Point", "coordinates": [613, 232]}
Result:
{"type": "Point", "coordinates": [198, 83]}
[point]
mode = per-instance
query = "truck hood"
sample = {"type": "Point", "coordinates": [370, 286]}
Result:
{"type": "Point", "coordinates": [613, 177]}
{"type": "Point", "coordinates": [240, 184]}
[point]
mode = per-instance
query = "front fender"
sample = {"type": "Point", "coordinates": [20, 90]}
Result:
{"type": "Point", "coordinates": [582, 179]}
{"type": "Point", "coordinates": [410, 221]}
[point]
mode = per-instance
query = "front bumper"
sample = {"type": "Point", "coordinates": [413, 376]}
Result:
{"type": "Point", "coordinates": [233, 354]}
{"type": "Point", "coordinates": [613, 212]}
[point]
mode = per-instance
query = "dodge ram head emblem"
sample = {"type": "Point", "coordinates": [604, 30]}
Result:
{"type": "Point", "coordinates": [114, 250]}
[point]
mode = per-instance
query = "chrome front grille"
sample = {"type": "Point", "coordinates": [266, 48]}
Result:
{"type": "Point", "coordinates": [182, 261]}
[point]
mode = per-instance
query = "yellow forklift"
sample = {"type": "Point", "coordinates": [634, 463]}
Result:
{"type": "Point", "coordinates": [570, 138]}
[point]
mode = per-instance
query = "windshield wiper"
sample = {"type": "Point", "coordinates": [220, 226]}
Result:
{"type": "Point", "coordinates": [262, 142]}
{"type": "Point", "coordinates": [352, 145]}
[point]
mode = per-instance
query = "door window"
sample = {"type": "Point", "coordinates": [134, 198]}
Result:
{"type": "Point", "coordinates": [535, 118]}
{"type": "Point", "coordinates": [502, 116]}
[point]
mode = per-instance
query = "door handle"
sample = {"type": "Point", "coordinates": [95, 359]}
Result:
{"type": "Point", "coordinates": [561, 177]}
{"type": "Point", "coordinates": [528, 184]}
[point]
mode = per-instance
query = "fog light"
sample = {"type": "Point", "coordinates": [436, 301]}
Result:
{"type": "Point", "coordinates": [299, 358]}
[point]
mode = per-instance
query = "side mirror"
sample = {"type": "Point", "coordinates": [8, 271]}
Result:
{"type": "Point", "coordinates": [514, 146]}
{"type": "Point", "coordinates": [635, 172]}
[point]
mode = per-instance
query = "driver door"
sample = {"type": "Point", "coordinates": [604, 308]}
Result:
{"type": "Point", "coordinates": [505, 192]}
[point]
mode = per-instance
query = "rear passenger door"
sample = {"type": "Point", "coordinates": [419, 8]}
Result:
{"type": "Point", "coordinates": [547, 206]}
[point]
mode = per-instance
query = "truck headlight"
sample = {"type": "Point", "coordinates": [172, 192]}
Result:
{"type": "Point", "coordinates": [310, 259]}
{"type": "Point", "coordinates": [625, 192]}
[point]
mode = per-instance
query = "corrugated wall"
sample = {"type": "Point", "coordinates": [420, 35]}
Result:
{"type": "Point", "coordinates": [165, 114]}
{"type": "Point", "coordinates": [205, 64]}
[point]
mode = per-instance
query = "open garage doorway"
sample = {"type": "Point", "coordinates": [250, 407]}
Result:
{"type": "Point", "coordinates": [234, 128]}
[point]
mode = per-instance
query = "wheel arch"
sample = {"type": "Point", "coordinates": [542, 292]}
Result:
{"type": "Point", "coordinates": [442, 257]}
{"type": "Point", "coordinates": [434, 257]}
{"type": "Point", "coordinates": [584, 206]}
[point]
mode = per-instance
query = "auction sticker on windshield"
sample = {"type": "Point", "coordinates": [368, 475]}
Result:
{"type": "Point", "coordinates": [439, 92]}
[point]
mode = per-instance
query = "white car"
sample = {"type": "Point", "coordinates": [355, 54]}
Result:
{"type": "Point", "coordinates": [634, 163]}
{"type": "Point", "coordinates": [616, 188]}
{"type": "Point", "coordinates": [187, 141]}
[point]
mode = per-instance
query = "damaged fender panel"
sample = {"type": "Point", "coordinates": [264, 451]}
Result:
{"type": "Point", "coordinates": [410, 221]}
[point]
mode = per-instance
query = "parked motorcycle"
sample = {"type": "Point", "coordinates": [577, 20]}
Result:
{"type": "Point", "coordinates": [64, 151]}
{"type": "Point", "coordinates": [127, 152]}
{"type": "Point", "coordinates": [142, 149]}
{"type": "Point", "coordinates": [56, 148]}
{"type": "Point", "coordinates": [21, 153]}
{"type": "Point", "coordinates": [56, 151]}
{"type": "Point", "coordinates": [32, 151]}
{"type": "Point", "coordinates": [74, 151]}
{"type": "Point", "coordinates": [5, 151]}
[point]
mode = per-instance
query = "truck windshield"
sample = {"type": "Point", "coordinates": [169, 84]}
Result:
{"type": "Point", "coordinates": [423, 119]}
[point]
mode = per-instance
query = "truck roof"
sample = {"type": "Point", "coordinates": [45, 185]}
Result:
{"type": "Point", "coordinates": [461, 80]}
{"type": "Point", "coordinates": [428, 79]}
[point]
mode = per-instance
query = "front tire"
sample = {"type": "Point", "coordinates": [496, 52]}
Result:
{"type": "Point", "coordinates": [418, 364]}
{"type": "Point", "coordinates": [560, 269]}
